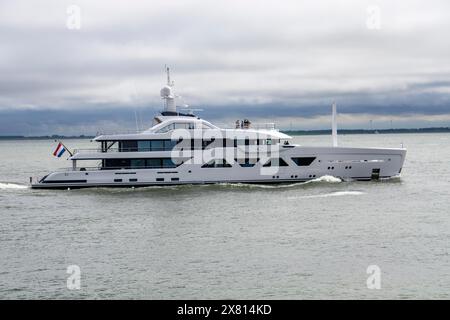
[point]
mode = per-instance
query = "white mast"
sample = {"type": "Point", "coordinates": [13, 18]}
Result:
{"type": "Point", "coordinates": [167, 94]}
{"type": "Point", "coordinates": [334, 125]}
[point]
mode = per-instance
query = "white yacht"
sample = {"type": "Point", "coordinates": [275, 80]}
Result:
{"type": "Point", "coordinates": [181, 148]}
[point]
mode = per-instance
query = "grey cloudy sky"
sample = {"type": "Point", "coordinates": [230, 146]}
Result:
{"type": "Point", "coordinates": [283, 61]}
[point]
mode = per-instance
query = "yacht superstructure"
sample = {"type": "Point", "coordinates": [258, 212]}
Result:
{"type": "Point", "coordinates": [181, 148]}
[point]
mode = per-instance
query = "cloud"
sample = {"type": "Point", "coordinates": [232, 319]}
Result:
{"type": "Point", "coordinates": [270, 59]}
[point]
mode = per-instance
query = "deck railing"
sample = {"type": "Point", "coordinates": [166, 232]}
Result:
{"type": "Point", "coordinates": [99, 150]}
{"type": "Point", "coordinates": [87, 169]}
{"type": "Point", "coordinates": [257, 126]}
{"type": "Point", "coordinates": [251, 125]}
{"type": "Point", "coordinates": [114, 132]}
{"type": "Point", "coordinates": [199, 147]}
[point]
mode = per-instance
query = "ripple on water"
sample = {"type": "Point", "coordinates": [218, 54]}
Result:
{"type": "Point", "coordinates": [12, 186]}
{"type": "Point", "coordinates": [332, 194]}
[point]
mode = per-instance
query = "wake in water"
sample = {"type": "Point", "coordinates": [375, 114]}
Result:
{"type": "Point", "coordinates": [9, 186]}
{"type": "Point", "coordinates": [329, 179]}
{"type": "Point", "coordinates": [323, 179]}
{"type": "Point", "coordinates": [332, 194]}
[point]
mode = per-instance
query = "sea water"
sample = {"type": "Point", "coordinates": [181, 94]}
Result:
{"type": "Point", "coordinates": [310, 240]}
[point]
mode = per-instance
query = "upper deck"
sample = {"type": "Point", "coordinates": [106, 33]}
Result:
{"type": "Point", "coordinates": [169, 127]}
{"type": "Point", "coordinates": [183, 131]}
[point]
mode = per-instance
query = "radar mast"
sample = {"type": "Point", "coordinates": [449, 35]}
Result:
{"type": "Point", "coordinates": [167, 94]}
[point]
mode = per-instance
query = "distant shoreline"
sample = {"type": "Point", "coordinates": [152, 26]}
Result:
{"type": "Point", "coordinates": [52, 137]}
{"type": "Point", "coordinates": [365, 131]}
{"type": "Point", "coordinates": [290, 132]}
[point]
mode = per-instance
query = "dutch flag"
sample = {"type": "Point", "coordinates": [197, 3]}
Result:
{"type": "Point", "coordinates": [59, 150]}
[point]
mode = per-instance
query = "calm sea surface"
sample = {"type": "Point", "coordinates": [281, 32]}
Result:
{"type": "Point", "coordinates": [298, 241]}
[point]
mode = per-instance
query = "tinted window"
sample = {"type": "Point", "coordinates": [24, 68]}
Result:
{"type": "Point", "coordinates": [276, 163]}
{"type": "Point", "coordinates": [154, 163]}
{"type": "Point", "coordinates": [247, 162]}
{"type": "Point", "coordinates": [128, 145]}
{"type": "Point", "coordinates": [144, 145]}
{"type": "Point", "coordinates": [219, 163]}
{"type": "Point", "coordinates": [166, 128]}
{"type": "Point", "coordinates": [117, 163]}
{"type": "Point", "coordinates": [157, 145]}
{"type": "Point", "coordinates": [303, 161]}
{"type": "Point", "coordinates": [181, 126]}
{"type": "Point", "coordinates": [168, 163]}
{"type": "Point", "coordinates": [169, 144]}
{"type": "Point", "coordinates": [137, 163]}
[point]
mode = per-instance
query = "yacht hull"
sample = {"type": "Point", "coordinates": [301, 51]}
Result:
{"type": "Point", "coordinates": [345, 163]}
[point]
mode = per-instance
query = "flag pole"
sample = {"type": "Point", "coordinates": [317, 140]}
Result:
{"type": "Point", "coordinates": [71, 154]}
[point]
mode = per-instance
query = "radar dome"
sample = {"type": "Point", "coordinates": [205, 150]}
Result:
{"type": "Point", "coordinates": [166, 91]}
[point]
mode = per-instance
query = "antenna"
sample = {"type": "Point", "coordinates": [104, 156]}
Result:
{"type": "Point", "coordinates": [168, 75]}
{"type": "Point", "coordinates": [169, 83]}
{"type": "Point", "coordinates": [135, 97]}
{"type": "Point", "coordinates": [136, 119]}
{"type": "Point", "coordinates": [141, 125]}
{"type": "Point", "coordinates": [334, 125]}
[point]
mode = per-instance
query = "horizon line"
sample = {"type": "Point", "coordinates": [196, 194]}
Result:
{"type": "Point", "coordinates": [292, 131]}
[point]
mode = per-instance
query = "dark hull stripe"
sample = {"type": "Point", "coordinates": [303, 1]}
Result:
{"type": "Point", "coordinates": [64, 181]}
